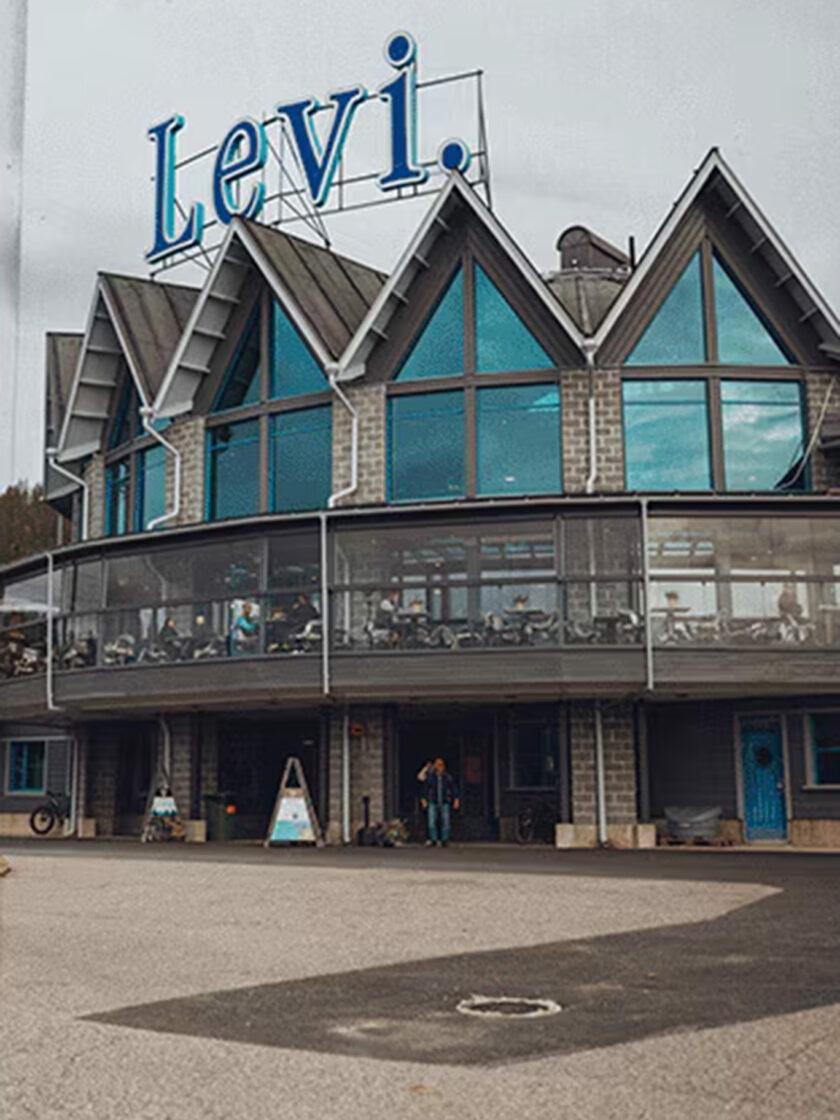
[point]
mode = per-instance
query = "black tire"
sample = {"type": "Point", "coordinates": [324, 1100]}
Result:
{"type": "Point", "coordinates": [525, 828]}
{"type": "Point", "coordinates": [42, 820]}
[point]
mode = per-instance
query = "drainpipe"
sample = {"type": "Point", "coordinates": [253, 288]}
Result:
{"type": "Point", "coordinates": [345, 777]}
{"type": "Point", "coordinates": [78, 480]}
{"type": "Point", "coordinates": [600, 780]}
{"type": "Point", "coordinates": [147, 415]}
{"type": "Point", "coordinates": [48, 680]}
{"type": "Point", "coordinates": [588, 347]}
{"type": "Point", "coordinates": [649, 679]}
{"type": "Point", "coordinates": [167, 751]}
{"type": "Point", "coordinates": [325, 607]}
{"type": "Point", "coordinates": [335, 498]}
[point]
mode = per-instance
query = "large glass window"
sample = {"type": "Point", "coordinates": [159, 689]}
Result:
{"type": "Point", "coordinates": [242, 381]}
{"type": "Point", "coordinates": [675, 335]}
{"type": "Point", "coordinates": [27, 766]}
{"type": "Point", "coordinates": [825, 748]}
{"type": "Point", "coordinates": [763, 435]}
{"type": "Point", "coordinates": [294, 371]}
{"type": "Point", "coordinates": [426, 446]}
{"type": "Point", "coordinates": [233, 474]}
{"type": "Point", "coordinates": [151, 486]}
{"type": "Point", "coordinates": [666, 435]}
{"type": "Point", "coordinates": [743, 338]}
{"type": "Point", "coordinates": [518, 440]}
{"type": "Point", "coordinates": [439, 349]}
{"type": "Point", "coordinates": [503, 342]}
{"type": "Point", "coordinates": [533, 753]}
{"type": "Point", "coordinates": [301, 459]}
{"type": "Point", "coordinates": [118, 498]}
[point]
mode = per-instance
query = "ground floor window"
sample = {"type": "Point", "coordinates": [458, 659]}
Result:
{"type": "Point", "coordinates": [27, 766]}
{"type": "Point", "coordinates": [825, 748]}
{"type": "Point", "coordinates": [533, 753]}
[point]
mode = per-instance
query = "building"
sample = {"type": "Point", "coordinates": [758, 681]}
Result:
{"type": "Point", "coordinates": [579, 533]}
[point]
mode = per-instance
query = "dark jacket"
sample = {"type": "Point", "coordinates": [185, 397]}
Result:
{"type": "Point", "coordinates": [448, 789]}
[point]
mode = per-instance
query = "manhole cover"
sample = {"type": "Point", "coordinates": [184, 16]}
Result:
{"type": "Point", "coordinates": [508, 1007]}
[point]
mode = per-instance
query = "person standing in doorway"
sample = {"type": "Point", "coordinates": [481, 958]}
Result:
{"type": "Point", "coordinates": [440, 797]}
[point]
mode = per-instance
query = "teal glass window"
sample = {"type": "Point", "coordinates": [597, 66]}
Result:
{"type": "Point", "coordinates": [294, 372]}
{"type": "Point", "coordinates": [518, 440]}
{"type": "Point", "coordinates": [301, 459]}
{"type": "Point", "coordinates": [439, 348]}
{"type": "Point", "coordinates": [233, 470]}
{"type": "Point", "coordinates": [742, 336]}
{"type": "Point", "coordinates": [666, 435]}
{"type": "Point", "coordinates": [675, 335]}
{"type": "Point", "coordinates": [151, 486]}
{"type": "Point", "coordinates": [825, 740]}
{"type": "Point", "coordinates": [241, 385]}
{"type": "Point", "coordinates": [426, 446]}
{"type": "Point", "coordinates": [27, 766]}
{"type": "Point", "coordinates": [502, 341]}
{"type": "Point", "coordinates": [763, 435]}
{"type": "Point", "coordinates": [117, 488]}
{"type": "Point", "coordinates": [127, 416]}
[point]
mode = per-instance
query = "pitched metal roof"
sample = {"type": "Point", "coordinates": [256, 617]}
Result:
{"type": "Point", "coordinates": [325, 294]}
{"type": "Point", "coordinates": [62, 358]}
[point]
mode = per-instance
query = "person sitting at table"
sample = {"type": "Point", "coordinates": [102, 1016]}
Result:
{"type": "Point", "coordinates": [387, 609]}
{"type": "Point", "coordinates": [789, 606]}
{"type": "Point", "coordinates": [204, 640]}
{"type": "Point", "coordinates": [520, 603]}
{"type": "Point", "coordinates": [245, 630]}
{"type": "Point", "coordinates": [277, 632]}
{"type": "Point", "coordinates": [416, 607]}
{"type": "Point", "coordinates": [169, 639]}
{"type": "Point", "coordinates": [675, 629]}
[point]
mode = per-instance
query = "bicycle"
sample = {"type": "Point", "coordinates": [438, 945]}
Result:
{"type": "Point", "coordinates": [51, 812]}
{"type": "Point", "coordinates": [534, 824]}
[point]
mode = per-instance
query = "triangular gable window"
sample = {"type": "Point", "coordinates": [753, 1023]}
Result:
{"type": "Point", "coordinates": [503, 342]}
{"type": "Point", "coordinates": [743, 338]}
{"type": "Point", "coordinates": [127, 417]}
{"type": "Point", "coordinates": [241, 385]}
{"type": "Point", "coordinates": [439, 349]}
{"type": "Point", "coordinates": [294, 372]}
{"type": "Point", "coordinates": [675, 335]}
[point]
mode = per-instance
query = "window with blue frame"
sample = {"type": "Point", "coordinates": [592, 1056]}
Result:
{"type": "Point", "coordinates": [301, 459]}
{"type": "Point", "coordinates": [426, 446]}
{"type": "Point", "coordinates": [151, 486]}
{"type": "Point", "coordinates": [743, 337]}
{"type": "Point", "coordinates": [27, 766]}
{"type": "Point", "coordinates": [233, 470]}
{"type": "Point", "coordinates": [118, 498]}
{"type": "Point", "coordinates": [439, 348]}
{"type": "Point", "coordinates": [513, 433]}
{"type": "Point", "coordinates": [503, 343]}
{"type": "Point", "coordinates": [825, 748]}
{"type": "Point", "coordinates": [675, 336]}
{"type": "Point", "coordinates": [518, 440]}
{"type": "Point", "coordinates": [293, 370]}
{"type": "Point", "coordinates": [763, 435]}
{"type": "Point", "coordinates": [666, 435]}
{"type": "Point", "coordinates": [241, 385]}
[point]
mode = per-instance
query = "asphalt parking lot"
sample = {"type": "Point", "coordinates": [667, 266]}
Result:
{"type": "Point", "coordinates": [207, 981]}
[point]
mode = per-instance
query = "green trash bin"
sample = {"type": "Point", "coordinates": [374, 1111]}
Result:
{"type": "Point", "coordinates": [221, 816]}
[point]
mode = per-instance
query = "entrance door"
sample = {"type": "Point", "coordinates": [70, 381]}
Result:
{"type": "Point", "coordinates": [465, 742]}
{"type": "Point", "coordinates": [763, 770]}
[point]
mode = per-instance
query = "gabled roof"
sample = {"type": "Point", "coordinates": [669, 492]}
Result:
{"type": "Point", "coordinates": [61, 360]}
{"type": "Point", "coordinates": [455, 193]}
{"type": "Point", "coordinates": [325, 294]}
{"type": "Point", "coordinates": [715, 175]}
{"type": "Point", "coordinates": [132, 322]}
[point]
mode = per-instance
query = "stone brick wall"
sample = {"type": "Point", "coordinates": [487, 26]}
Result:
{"type": "Point", "coordinates": [187, 435]}
{"type": "Point", "coordinates": [369, 401]}
{"type": "Point", "coordinates": [101, 793]}
{"type": "Point", "coordinates": [619, 762]}
{"type": "Point", "coordinates": [367, 769]}
{"type": "Point", "coordinates": [608, 433]}
{"type": "Point", "coordinates": [825, 469]}
{"type": "Point", "coordinates": [94, 475]}
{"type": "Point", "coordinates": [182, 745]}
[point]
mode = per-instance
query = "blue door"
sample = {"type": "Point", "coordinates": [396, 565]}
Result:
{"type": "Point", "coordinates": [763, 769]}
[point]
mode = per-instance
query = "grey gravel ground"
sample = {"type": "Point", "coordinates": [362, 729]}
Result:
{"type": "Point", "coordinates": [85, 933]}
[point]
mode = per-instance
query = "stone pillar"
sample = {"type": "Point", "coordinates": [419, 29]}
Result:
{"type": "Point", "coordinates": [367, 769]}
{"type": "Point", "coordinates": [101, 796]}
{"type": "Point", "coordinates": [183, 732]}
{"type": "Point", "coordinates": [187, 435]}
{"type": "Point", "coordinates": [825, 469]}
{"type": "Point", "coordinates": [94, 475]}
{"type": "Point", "coordinates": [369, 401]}
{"type": "Point", "coordinates": [609, 441]}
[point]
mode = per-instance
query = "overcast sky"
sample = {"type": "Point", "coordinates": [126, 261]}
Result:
{"type": "Point", "coordinates": [598, 111]}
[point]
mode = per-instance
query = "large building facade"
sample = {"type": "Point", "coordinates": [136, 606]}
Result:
{"type": "Point", "coordinates": [578, 533]}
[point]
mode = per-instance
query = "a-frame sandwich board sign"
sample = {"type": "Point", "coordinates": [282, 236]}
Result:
{"type": "Point", "coordinates": [293, 820]}
{"type": "Point", "coordinates": [162, 819]}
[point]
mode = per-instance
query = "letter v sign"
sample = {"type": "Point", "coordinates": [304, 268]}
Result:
{"type": "Point", "coordinates": [319, 166]}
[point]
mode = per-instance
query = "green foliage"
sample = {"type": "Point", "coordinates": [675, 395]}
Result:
{"type": "Point", "coordinates": [27, 524]}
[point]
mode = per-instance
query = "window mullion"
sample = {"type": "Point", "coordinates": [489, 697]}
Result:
{"type": "Point", "coordinates": [470, 440]}
{"type": "Point", "coordinates": [708, 290]}
{"type": "Point", "coordinates": [266, 497]}
{"type": "Point", "coordinates": [716, 433]}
